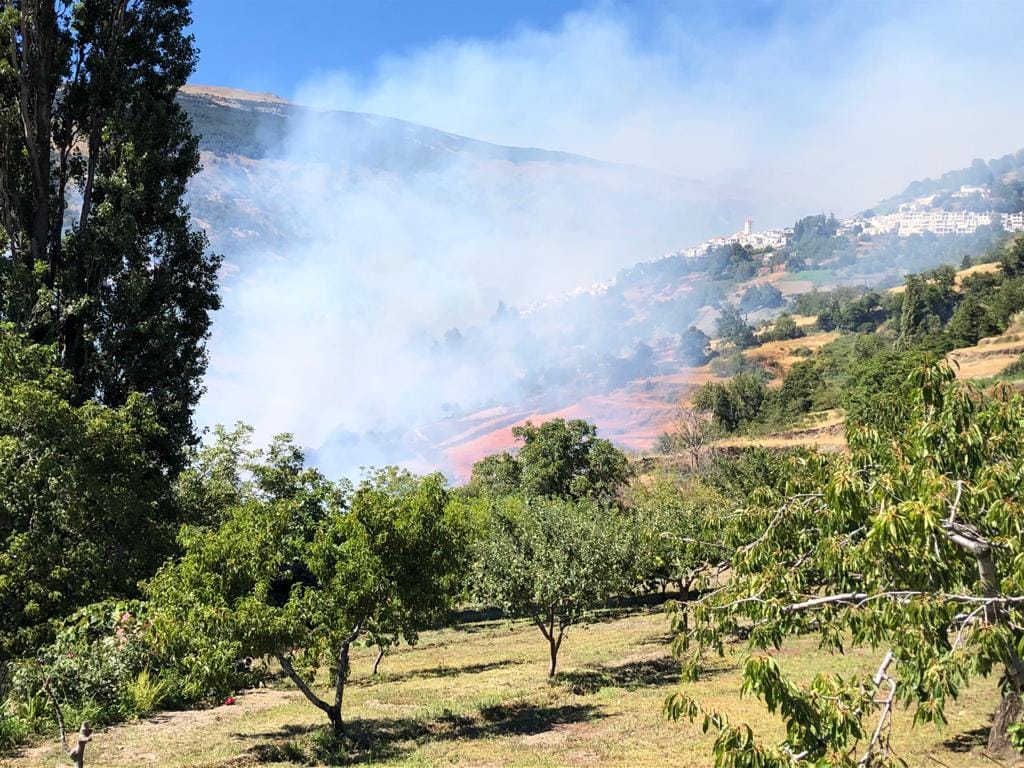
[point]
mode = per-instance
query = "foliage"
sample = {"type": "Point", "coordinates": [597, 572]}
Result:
{"type": "Point", "coordinates": [971, 321]}
{"type": "Point", "coordinates": [881, 548]}
{"type": "Point", "coordinates": [732, 362]}
{"type": "Point", "coordinates": [1016, 368]}
{"type": "Point", "coordinates": [559, 458]}
{"type": "Point", "coordinates": [1012, 260]}
{"type": "Point", "coordinates": [876, 389]}
{"type": "Point", "coordinates": [298, 571]}
{"type": "Point", "coordinates": [85, 510]}
{"type": "Point", "coordinates": [732, 328]}
{"type": "Point", "coordinates": [694, 346]}
{"type": "Point", "coordinates": [679, 523]}
{"type": "Point", "coordinates": [762, 296]}
{"type": "Point", "coordinates": [784, 329]}
{"type": "Point", "coordinates": [734, 403]}
{"type": "Point", "coordinates": [929, 300]}
{"type": "Point", "coordinates": [730, 262]}
{"type": "Point", "coordinates": [739, 474]}
{"type": "Point", "coordinates": [122, 283]}
{"type": "Point", "coordinates": [691, 433]}
{"type": "Point", "coordinates": [554, 561]}
{"type": "Point", "coordinates": [94, 665]}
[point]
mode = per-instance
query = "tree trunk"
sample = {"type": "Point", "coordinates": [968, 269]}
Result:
{"type": "Point", "coordinates": [1007, 714]}
{"type": "Point", "coordinates": [553, 647]}
{"type": "Point", "coordinates": [339, 689]}
{"type": "Point", "coordinates": [337, 725]}
{"type": "Point", "coordinates": [380, 655]}
{"type": "Point", "coordinates": [77, 754]}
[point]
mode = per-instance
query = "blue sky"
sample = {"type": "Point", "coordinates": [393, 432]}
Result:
{"type": "Point", "coordinates": [277, 45]}
{"type": "Point", "coordinates": [274, 45]}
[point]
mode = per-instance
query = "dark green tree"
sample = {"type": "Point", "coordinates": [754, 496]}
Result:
{"type": "Point", "coordinates": [734, 403]}
{"type": "Point", "coordinates": [85, 509]}
{"type": "Point", "coordinates": [1012, 260]}
{"type": "Point", "coordinates": [99, 254]}
{"type": "Point", "coordinates": [559, 458]}
{"type": "Point", "coordinates": [733, 329]}
{"type": "Point", "coordinates": [970, 322]}
{"type": "Point", "coordinates": [694, 346]}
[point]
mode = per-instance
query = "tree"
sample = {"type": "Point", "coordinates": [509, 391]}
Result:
{"type": "Point", "coordinates": [784, 329]}
{"type": "Point", "coordinates": [99, 257]}
{"type": "Point", "coordinates": [970, 322]}
{"type": "Point", "coordinates": [1012, 259]}
{"type": "Point", "coordinates": [85, 509]}
{"type": "Point", "coordinates": [559, 458]}
{"type": "Point", "coordinates": [875, 390]}
{"type": "Point", "coordinates": [732, 328]}
{"type": "Point", "coordinates": [553, 561]}
{"type": "Point", "coordinates": [679, 524]}
{"type": "Point", "coordinates": [694, 346]}
{"type": "Point", "coordinates": [499, 474]}
{"type": "Point", "coordinates": [299, 572]}
{"type": "Point", "coordinates": [910, 545]}
{"type": "Point", "coordinates": [733, 404]}
{"type": "Point", "coordinates": [761, 296]}
{"type": "Point", "coordinates": [691, 433]}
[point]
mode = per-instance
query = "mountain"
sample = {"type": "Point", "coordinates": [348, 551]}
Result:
{"type": "Point", "coordinates": [397, 293]}
{"type": "Point", "coordinates": [243, 133]}
{"type": "Point", "coordinates": [406, 231]}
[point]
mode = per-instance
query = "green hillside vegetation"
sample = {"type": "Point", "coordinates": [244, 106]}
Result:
{"type": "Point", "coordinates": [884, 336]}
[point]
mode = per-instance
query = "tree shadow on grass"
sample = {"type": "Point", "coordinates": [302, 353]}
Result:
{"type": "Point", "coordinates": [432, 672]}
{"type": "Point", "coordinates": [370, 740]}
{"type": "Point", "coordinates": [965, 742]}
{"type": "Point", "coordinates": [663, 670]}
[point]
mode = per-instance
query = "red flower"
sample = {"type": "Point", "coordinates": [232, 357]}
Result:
{"type": "Point", "coordinates": [229, 701]}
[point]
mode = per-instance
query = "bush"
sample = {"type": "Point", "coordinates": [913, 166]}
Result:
{"type": "Point", "coordinates": [102, 668]}
{"type": "Point", "coordinates": [89, 666]}
{"type": "Point", "coordinates": [785, 328]}
{"type": "Point", "coordinates": [1014, 369]}
{"type": "Point", "coordinates": [146, 692]}
{"type": "Point", "coordinates": [12, 731]}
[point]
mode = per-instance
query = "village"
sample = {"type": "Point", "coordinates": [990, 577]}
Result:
{"type": "Point", "coordinates": [917, 217]}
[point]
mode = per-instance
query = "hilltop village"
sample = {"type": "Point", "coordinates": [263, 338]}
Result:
{"type": "Point", "coordinates": [928, 214]}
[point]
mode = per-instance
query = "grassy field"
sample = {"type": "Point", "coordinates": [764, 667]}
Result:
{"type": "Point", "coordinates": [477, 695]}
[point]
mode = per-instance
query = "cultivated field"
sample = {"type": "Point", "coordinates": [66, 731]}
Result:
{"type": "Point", "coordinates": [476, 695]}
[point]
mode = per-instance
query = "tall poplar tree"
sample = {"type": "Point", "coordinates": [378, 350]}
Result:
{"type": "Point", "coordinates": [98, 254]}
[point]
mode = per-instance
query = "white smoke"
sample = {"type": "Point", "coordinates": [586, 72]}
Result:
{"type": "Point", "coordinates": [330, 335]}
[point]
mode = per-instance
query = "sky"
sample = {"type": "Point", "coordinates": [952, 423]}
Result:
{"type": "Point", "coordinates": [845, 100]}
{"type": "Point", "coordinates": [276, 45]}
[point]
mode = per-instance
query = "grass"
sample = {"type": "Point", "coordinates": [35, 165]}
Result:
{"type": "Point", "coordinates": [816, 276]}
{"type": "Point", "coordinates": [477, 695]}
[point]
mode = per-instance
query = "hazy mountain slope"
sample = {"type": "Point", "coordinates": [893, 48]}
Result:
{"type": "Point", "coordinates": [366, 257]}
{"type": "Point", "coordinates": [246, 137]}
{"type": "Point", "coordinates": [402, 232]}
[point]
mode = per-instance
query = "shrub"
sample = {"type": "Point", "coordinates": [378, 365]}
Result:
{"type": "Point", "coordinates": [1015, 368]}
{"type": "Point", "coordinates": [146, 692]}
{"type": "Point", "coordinates": [12, 731]}
{"type": "Point", "coordinates": [89, 667]}
{"type": "Point", "coordinates": [785, 328]}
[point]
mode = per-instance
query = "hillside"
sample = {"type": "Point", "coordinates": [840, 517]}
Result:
{"type": "Point", "coordinates": [245, 135]}
{"type": "Point", "coordinates": [609, 353]}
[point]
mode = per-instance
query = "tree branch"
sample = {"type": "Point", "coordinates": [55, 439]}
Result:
{"type": "Point", "coordinates": [286, 665]}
